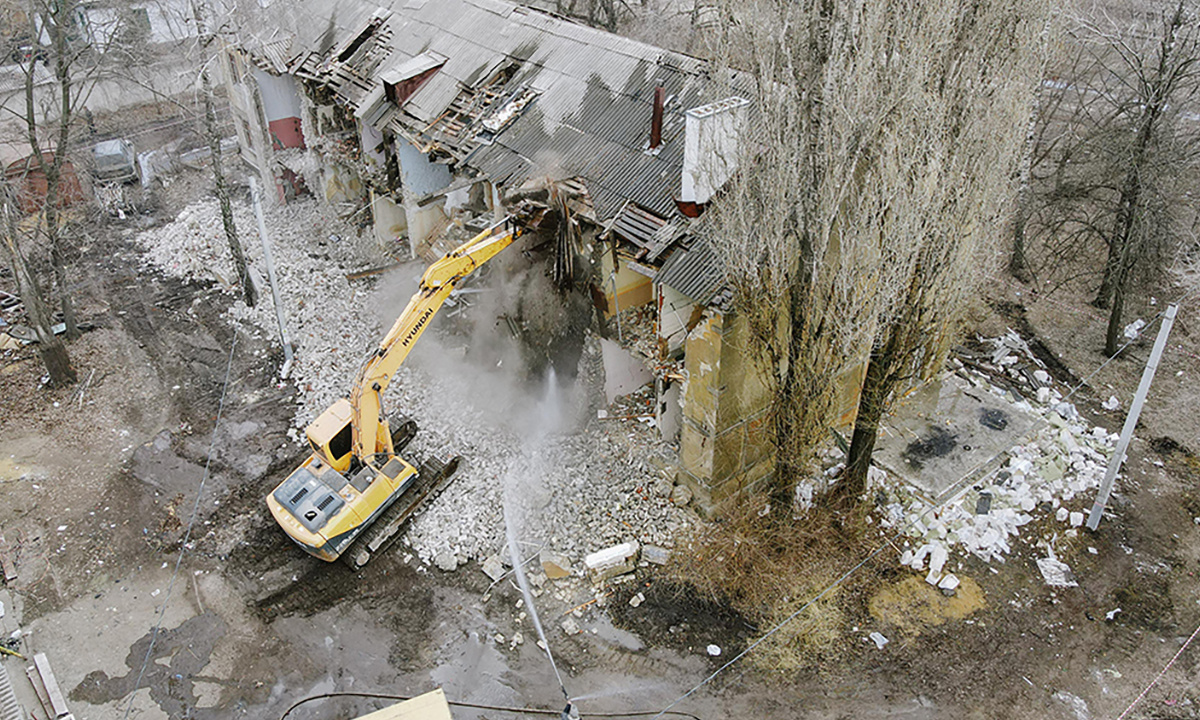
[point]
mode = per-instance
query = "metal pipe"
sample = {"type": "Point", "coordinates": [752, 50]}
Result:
{"type": "Point", "coordinates": [266, 247]}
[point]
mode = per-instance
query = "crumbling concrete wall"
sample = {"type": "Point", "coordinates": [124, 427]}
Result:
{"type": "Point", "coordinates": [724, 442]}
{"type": "Point", "coordinates": [674, 316]}
{"type": "Point", "coordinates": [632, 289]}
{"type": "Point", "coordinates": [725, 437]}
{"type": "Point", "coordinates": [391, 222]}
{"type": "Point", "coordinates": [419, 176]}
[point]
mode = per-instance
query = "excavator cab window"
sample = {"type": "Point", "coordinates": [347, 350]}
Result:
{"type": "Point", "coordinates": [339, 445]}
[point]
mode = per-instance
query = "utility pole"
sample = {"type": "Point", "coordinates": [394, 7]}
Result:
{"type": "Point", "coordinates": [1118, 456]}
{"type": "Point", "coordinates": [270, 262]}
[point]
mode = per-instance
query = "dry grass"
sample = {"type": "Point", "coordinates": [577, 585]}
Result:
{"type": "Point", "coordinates": [768, 569]}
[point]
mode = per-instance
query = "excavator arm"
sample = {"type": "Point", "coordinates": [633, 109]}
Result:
{"type": "Point", "coordinates": [437, 283]}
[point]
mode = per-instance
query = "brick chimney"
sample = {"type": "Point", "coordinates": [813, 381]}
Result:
{"type": "Point", "coordinates": [660, 99]}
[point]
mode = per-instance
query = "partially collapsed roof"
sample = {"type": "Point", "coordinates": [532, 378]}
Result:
{"type": "Point", "coordinates": [510, 92]}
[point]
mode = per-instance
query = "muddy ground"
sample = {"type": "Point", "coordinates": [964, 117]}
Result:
{"type": "Point", "coordinates": [98, 483]}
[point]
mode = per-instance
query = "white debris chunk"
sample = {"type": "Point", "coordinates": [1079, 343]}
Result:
{"type": "Point", "coordinates": [949, 582]}
{"type": "Point", "coordinates": [1112, 403]}
{"type": "Point", "coordinates": [879, 639]}
{"type": "Point", "coordinates": [612, 561]}
{"type": "Point", "coordinates": [1056, 572]}
{"type": "Point", "coordinates": [714, 650]}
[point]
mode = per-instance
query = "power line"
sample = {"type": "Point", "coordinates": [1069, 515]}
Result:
{"type": "Point", "coordinates": [1158, 677]}
{"type": "Point", "coordinates": [475, 706]}
{"type": "Point", "coordinates": [188, 533]}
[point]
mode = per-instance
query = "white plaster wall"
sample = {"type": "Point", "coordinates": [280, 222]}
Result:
{"type": "Point", "coordinates": [278, 95]}
{"type": "Point", "coordinates": [673, 312]}
{"type": "Point", "coordinates": [418, 175]}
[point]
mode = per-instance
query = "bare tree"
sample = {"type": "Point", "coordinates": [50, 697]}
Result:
{"type": "Point", "coordinates": [860, 196]}
{"type": "Point", "coordinates": [969, 102]}
{"type": "Point", "coordinates": [806, 272]}
{"type": "Point", "coordinates": [54, 21]}
{"type": "Point", "coordinates": [1164, 77]}
{"type": "Point", "coordinates": [1108, 194]}
{"type": "Point", "coordinates": [212, 134]}
{"type": "Point", "coordinates": [50, 348]}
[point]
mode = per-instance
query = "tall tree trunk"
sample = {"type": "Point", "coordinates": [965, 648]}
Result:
{"type": "Point", "coordinates": [54, 189]}
{"type": "Point", "coordinates": [1113, 334]}
{"type": "Point", "coordinates": [55, 22]}
{"type": "Point", "coordinates": [50, 348]}
{"type": "Point", "coordinates": [213, 135]}
{"type": "Point", "coordinates": [1104, 295]}
{"type": "Point", "coordinates": [249, 295]}
{"type": "Point", "coordinates": [878, 383]}
{"type": "Point", "coordinates": [1018, 264]}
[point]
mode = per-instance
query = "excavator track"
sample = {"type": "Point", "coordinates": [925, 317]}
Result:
{"type": "Point", "coordinates": [434, 475]}
{"type": "Point", "coordinates": [404, 429]}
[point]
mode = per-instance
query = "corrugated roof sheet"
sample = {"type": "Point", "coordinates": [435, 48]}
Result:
{"type": "Point", "coordinates": [696, 271]}
{"type": "Point", "coordinates": [591, 119]}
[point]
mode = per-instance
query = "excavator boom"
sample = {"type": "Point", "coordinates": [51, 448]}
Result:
{"type": "Point", "coordinates": [437, 283]}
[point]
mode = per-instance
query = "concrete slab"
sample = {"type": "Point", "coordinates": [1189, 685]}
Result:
{"type": "Point", "coordinates": [948, 434]}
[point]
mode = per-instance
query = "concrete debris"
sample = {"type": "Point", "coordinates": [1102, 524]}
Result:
{"type": "Point", "coordinates": [1134, 329]}
{"type": "Point", "coordinates": [592, 477]}
{"type": "Point", "coordinates": [612, 561]}
{"type": "Point", "coordinates": [1056, 572]}
{"type": "Point", "coordinates": [493, 567]}
{"type": "Point", "coordinates": [714, 650]}
{"type": "Point", "coordinates": [949, 582]}
{"type": "Point", "coordinates": [637, 600]}
{"type": "Point", "coordinates": [1112, 403]}
{"type": "Point", "coordinates": [555, 565]}
{"type": "Point", "coordinates": [681, 495]}
{"type": "Point", "coordinates": [1077, 705]}
{"type": "Point", "coordinates": [569, 626]}
{"type": "Point", "coordinates": [1111, 614]}
{"type": "Point", "coordinates": [655, 555]}
{"type": "Point", "coordinates": [1055, 471]}
{"type": "Point", "coordinates": [879, 639]}
{"type": "Point", "coordinates": [445, 561]}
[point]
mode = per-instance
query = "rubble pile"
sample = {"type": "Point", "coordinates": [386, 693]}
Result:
{"type": "Point", "coordinates": [1050, 474]}
{"type": "Point", "coordinates": [326, 315]}
{"type": "Point", "coordinates": [580, 491]}
{"type": "Point", "coordinates": [595, 487]}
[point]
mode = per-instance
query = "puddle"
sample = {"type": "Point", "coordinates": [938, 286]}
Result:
{"type": "Point", "coordinates": [605, 630]}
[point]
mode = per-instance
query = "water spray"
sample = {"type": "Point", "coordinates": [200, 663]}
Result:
{"type": "Point", "coordinates": [550, 404]}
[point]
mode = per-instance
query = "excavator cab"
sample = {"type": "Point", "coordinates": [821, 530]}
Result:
{"type": "Point", "coordinates": [331, 436]}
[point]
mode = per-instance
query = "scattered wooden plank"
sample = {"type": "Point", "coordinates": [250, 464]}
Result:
{"type": "Point", "coordinates": [36, 681]}
{"type": "Point", "coordinates": [359, 274]}
{"type": "Point", "coordinates": [58, 703]}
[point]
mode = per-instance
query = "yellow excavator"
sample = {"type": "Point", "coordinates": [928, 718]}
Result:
{"type": "Point", "coordinates": [354, 492]}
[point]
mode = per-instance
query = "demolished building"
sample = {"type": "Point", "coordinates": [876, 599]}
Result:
{"type": "Point", "coordinates": [422, 117]}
